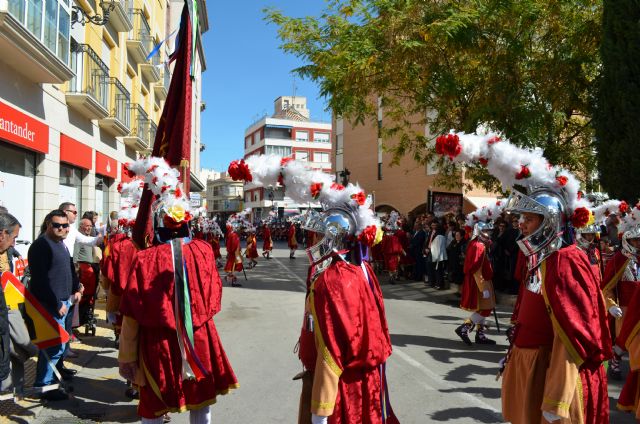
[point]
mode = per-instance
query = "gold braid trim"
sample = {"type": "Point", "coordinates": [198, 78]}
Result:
{"type": "Point", "coordinates": [558, 403]}
{"type": "Point", "coordinates": [616, 277]}
{"type": "Point", "coordinates": [321, 346]}
{"type": "Point", "coordinates": [322, 405]}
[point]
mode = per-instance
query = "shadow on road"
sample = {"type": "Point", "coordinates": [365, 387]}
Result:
{"type": "Point", "coordinates": [487, 392]}
{"type": "Point", "coordinates": [464, 373]}
{"type": "Point", "coordinates": [478, 414]}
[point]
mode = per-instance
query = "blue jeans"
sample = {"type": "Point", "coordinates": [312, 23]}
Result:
{"type": "Point", "coordinates": [44, 372]}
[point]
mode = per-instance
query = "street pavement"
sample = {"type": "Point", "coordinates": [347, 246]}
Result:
{"type": "Point", "coordinates": [433, 377]}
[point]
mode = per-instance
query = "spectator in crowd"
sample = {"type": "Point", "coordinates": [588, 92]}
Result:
{"type": "Point", "coordinates": [611, 224]}
{"type": "Point", "coordinates": [415, 250]}
{"type": "Point", "coordinates": [87, 261]}
{"type": "Point", "coordinates": [9, 228]}
{"type": "Point", "coordinates": [455, 257]}
{"type": "Point", "coordinates": [55, 285]}
{"type": "Point", "coordinates": [436, 253]}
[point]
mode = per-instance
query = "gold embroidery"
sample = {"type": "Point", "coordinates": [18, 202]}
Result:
{"type": "Point", "coordinates": [616, 277]}
{"type": "Point", "coordinates": [321, 346]}
{"type": "Point", "coordinates": [560, 404]}
{"type": "Point", "coordinates": [316, 404]}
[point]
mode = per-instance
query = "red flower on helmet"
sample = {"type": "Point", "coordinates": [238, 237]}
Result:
{"type": "Point", "coordinates": [368, 235]}
{"type": "Point", "coordinates": [178, 192]}
{"type": "Point", "coordinates": [494, 140]}
{"type": "Point", "coordinates": [580, 217]}
{"type": "Point", "coordinates": [316, 188]}
{"type": "Point", "coordinates": [525, 172]}
{"type": "Point", "coordinates": [285, 160]}
{"type": "Point", "coordinates": [359, 197]}
{"type": "Point", "coordinates": [336, 186]}
{"type": "Point", "coordinates": [129, 172]}
{"type": "Point", "coordinates": [623, 207]}
{"type": "Point", "coordinates": [562, 180]}
{"type": "Point", "coordinates": [483, 161]}
{"type": "Point", "coordinates": [448, 144]}
{"type": "Point", "coordinates": [239, 171]}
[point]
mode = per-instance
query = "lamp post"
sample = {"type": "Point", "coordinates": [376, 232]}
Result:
{"type": "Point", "coordinates": [79, 16]}
{"type": "Point", "coordinates": [344, 174]}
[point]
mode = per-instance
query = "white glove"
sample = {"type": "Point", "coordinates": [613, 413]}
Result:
{"type": "Point", "coordinates": [615, 311]}
{"type": "Point", "coordinates": [317, 419]}
{"type": "Point", "coordinates": [486, 294]}
{"type": "Point", "coordinates": [550, 417]}
{"type": "Point", "coordinates": [618, 350]}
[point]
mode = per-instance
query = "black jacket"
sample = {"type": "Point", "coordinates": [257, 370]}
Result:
{"type": "Point", "coordinates": [5, 339]}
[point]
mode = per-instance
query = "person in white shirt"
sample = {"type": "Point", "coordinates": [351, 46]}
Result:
{"type": "Point", "coordinates": [74, 235]}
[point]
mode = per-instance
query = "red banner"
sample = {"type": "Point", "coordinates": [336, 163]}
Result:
{"type": "Point", "coordinates": [21, 129]}
{"type": "Point", "coordinates": [106, 165]}
{"type": "Point", "coordinates": [74, 152]}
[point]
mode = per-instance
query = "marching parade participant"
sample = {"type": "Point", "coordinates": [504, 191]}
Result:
{"type": "Point", "coordinates": [391, 247]}
{"type": "Point", "coordinates": [344, 360]}
{"type": "Point", "coordinates": [292, 242]}
{"type": "Point", "coordinates": [251, 251]}
{"type": "Point", "coordinates": [172, 294]}
{"type": "Point", "coordinates": [553, 371]}
{"type": "Point", "coordinates": [234, 252]}
{"type": "Point", "coordinates": [621, 293]}
{"type": "Point", "coordinates": [478, 295]}
{"type": "Point", "coordinates": [267, 243]}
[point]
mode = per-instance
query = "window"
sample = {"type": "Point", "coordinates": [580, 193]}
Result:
{"type": "Point", "coordinates": [278, 150]}
{"type": "Point", "coordinates": [321, 157]}
{"type": "Point", "coordinates": [285, 104]}
{"type": "Point", "coordinates": [302, 155]}
{"type": "Point", "coordinates": [246, 142]}
{"type": "Point", "coordinates": [256, 137]}
{"type": "Point", "coordinates": [302, 135]}
{"type": "Point", "coordinates": [321, 137]}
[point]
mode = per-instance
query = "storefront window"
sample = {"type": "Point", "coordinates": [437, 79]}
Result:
{"type": "Point", "coordinates": [70, 189]}
{"type": "Point", "coordinates": [102, 198]}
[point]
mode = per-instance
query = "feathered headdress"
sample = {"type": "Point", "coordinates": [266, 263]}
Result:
{"type": "Point", "coordinates": [513, 165]}
{"type": "Point", "coordinates": [130, 194]}
{"type": "Point", "coordinates": [305, 185]}
{"type": "Point", "coordinates": [484, 214]}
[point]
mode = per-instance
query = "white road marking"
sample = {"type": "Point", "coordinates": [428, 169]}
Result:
{"type": "Point", "coordinates": [292, 274]}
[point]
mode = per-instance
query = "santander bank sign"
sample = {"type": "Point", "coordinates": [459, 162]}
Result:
{"type": "Point", "coordinates": [23, 130]}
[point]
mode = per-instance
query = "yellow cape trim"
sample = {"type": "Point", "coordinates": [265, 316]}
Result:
{"type": "Point", "coordinates": [322, 347]}
{"type": "Point", "coordinates": [616, 277]}
{"type": "Point", "coordinates": [188, 407]}
{"type": "Point", "coordinates": [150, 380]}
{"type": "Point", "coordinates": [322, 405]}
{"type": "Point", "coordinates": [560, 404]}
{"type": "Point", "coordinates": [556, 325]}
{"type": "Point", "coordinates": [632, 335]}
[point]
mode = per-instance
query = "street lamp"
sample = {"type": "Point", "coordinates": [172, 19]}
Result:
{"type": "Point", "coordinates": [78, 15]}
{"type": "Point", "coordinates": [344, 174]}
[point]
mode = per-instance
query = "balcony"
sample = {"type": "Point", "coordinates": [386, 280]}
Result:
{"type": "Point", "coordinates": [140, 42]}
{"type": "Point", "coordinates": [88, 90]}
{"type": "Point", "coordinates": [161, 90]}
{"type": "Point", "coordinates": [153, 130]}
{"type": "Point", "coordinates": [35, 41]}
{"type": "Point", "coordinates": [119, 17]}
{"type": "Point", "coordinates": [151, 68]}
{"type": "Point", "coordinates": [139, 137]}
{"type": "Point", "coordinates": [118, 121]}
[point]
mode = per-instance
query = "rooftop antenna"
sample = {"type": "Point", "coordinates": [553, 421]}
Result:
{"type": "Point", "coordinates": [293, 100]}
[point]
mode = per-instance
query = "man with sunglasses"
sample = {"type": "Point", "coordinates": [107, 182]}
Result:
{"type": "Point", "coordinates": [54, 284]}
{"type": "Point", "coordinates": [74, 235]}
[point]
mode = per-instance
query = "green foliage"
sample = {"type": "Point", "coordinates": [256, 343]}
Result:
{"type": "Point", "coordinates": [524, 67]}
{"type": "Point", "coordinates": [617, 118]}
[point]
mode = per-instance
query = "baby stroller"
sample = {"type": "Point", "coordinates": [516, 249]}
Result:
{"type": "Point", "coordinates": [88, 274]}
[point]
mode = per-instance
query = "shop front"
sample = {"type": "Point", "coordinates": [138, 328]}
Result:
{"type": "Point", "coordinates": [106, 174]}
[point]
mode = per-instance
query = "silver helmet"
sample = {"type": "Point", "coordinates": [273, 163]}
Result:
{"type": "Point", "coordinates": [338, 225]}
{"type": "Point", "coordinates": [631, 232]}
{"type": "Point", "coordinates": [483, 231]}
{"type": "Point", "coordinates": [548, 238]}
{"type": "Point", "coordinates": [588, 229]}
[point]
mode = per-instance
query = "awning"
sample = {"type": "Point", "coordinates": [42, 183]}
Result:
{"type": "Point", "coordinates": [196, 184]}
{"type": "Point", "coordinates": [480, 201]}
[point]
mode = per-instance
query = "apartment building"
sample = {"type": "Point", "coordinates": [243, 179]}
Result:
{"type": "Point", "coordinates": [224, 196]}
{"type": "Point", "coordinates": [79, 99]}
{"type": "Point", "coordinates": [289, 132]}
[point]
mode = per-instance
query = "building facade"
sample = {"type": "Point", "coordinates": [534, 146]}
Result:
{"type": "Point", "coordinates": [407, 187]}
{"type": "Point", "coordinates": [224, 196]}
{"type": "Point", "coordinates": [77, 102]}
{"type": "Point", "coordinates": [289, 132]}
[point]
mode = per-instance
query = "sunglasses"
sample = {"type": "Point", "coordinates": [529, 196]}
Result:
{"type": "Point", "coordinates": [58, 225]}
{"type": "Point", "coordinates": [73, 212]}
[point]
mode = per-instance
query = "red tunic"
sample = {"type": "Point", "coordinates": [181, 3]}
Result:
{"type": "Point", "coordinates": [350, 318]}
{"type": "Point", "coordinates": [520, 274]}
{"type": "Point", "coordinates": [149, 300]}
{"type": "Point", "coordinates": [215, 245]}
{"type": "Point", "coordinates": [405, 242]}
{"type": "Point", "coordinates": [234, 253]}
{"type": "Point", "coordinates": [267, 244]}
{"type": "Point", "coordinates": [252, 249]}
{"type": "Point", "coordinates": [291, 237]}
{"type": "Point", "coordinates": [391, 249]}
{"type": "Point", "coordinates": [475, 258]}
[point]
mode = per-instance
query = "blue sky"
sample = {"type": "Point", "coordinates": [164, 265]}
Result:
{"type": "Point", "coordinates": [246, 72]}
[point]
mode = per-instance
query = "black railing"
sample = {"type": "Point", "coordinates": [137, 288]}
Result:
{"type": "Point", "coordinates": [141, 31]}
{"type": "Point", "coordinates": [91, 74]}
{"type": "Point", "coordinates": [119, 102]}
{"type": "Point", "coordinates": [141, 123]}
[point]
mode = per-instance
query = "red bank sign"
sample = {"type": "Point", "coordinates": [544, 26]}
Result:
{"type": "Point", "coordinates": [20, 129]}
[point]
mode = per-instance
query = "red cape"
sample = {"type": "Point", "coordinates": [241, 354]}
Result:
{"type": "Point", "coordinates": [234, 256]}
{"type": "Point", "coordinates": [267, 244]}
{"type": "Point", "coordinates": [475, 258]}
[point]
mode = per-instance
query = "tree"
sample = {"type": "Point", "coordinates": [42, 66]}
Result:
{"type": "Point", "coordinates": [523, 67]}
{"type": "Point", "coordinates": [618, 107]}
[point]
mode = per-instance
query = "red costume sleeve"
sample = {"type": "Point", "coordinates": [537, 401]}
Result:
{"type": "Point", "coordinates": [571, 290]}
{"type": "Point", "coordinates": [350, 316]}
{"type": "Point", "coordinates": [150, 293]}
{"type": "Point", "coordinates": [233, 243]}
{"type": "Point", "coordinates": [614, 265]}
{"type": "Point", "coordinates": [474, 257]}
{"type": "Point", "coordinates": [123, 261]}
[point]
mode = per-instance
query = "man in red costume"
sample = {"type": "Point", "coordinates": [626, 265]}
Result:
{"type": "Point", "coordinates": [477, 287]}
{"type": "Point", "coordinates": [252, 248]}
{"type": "Point", "coordinates": [267, 244]}
{"type": "Point", "coordinates": [622, 276]}
{"type": "Point", "coordinates": [554, 366]}
{"type": "Point", "coordinates": [234, 256]}
{"type": "Point", "coordinates": [292, 242]}
{"type": "Point", "coordinates": [392, 251]}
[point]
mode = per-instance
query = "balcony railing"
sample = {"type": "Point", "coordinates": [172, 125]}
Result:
{"type": "Point", "coordinates": [118, 121]}
{"type": "Point", "coordinates": [140, 129]}
{"type": "Point", "coordinates": [88, 90]}
{"type": "Point", "coordinates": [153, 130]}
{"type": "Point", "coordinates": [162, 88]}
{"type": "Point", "coordinates": [140, 42]}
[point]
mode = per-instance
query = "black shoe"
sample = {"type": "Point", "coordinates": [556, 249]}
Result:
{"type": "Point", "coordinates": [55, 395]}
{"type": "Point", "coordinates": [463, 332]}
{"type": "Point", "coordinates": [132, 393]}
{"type": "Point", "coordinates": [481, 338]}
